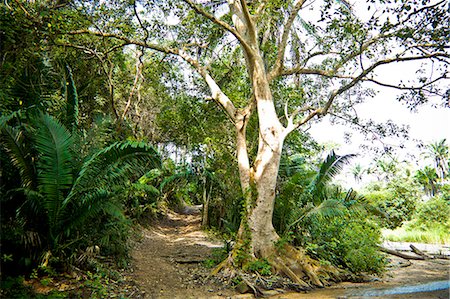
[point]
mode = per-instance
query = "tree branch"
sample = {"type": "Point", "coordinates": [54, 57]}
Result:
{"type": "Point", "coordinates": [444, 76]}
{"type": "Point", "coordinates": [291, 126]}
{"type": "Point", "coordinates": [125, 39]}
{"type": "Point", "coordinates": [360, 77]}
{"type": "Point", "coordinates": [299, 69]}
{"type": "Point", "coordinates": [216, 92]}
{"type": "Point", "coordinates": [278, 66]}
{"type": "Point", "coordinates": [248, 19]}
{"type": "Point", "coordinates": [222, 24]}
{"type": "Point", "coordinates": [355, 80]}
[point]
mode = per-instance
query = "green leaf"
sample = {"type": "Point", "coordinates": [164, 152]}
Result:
{"type": "Point", "coordinates": [113, 166]}
{"type": "Point", "coordinates": [53, 143]}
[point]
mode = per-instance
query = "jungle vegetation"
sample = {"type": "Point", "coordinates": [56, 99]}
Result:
{"type": "Point", "coordinates": [112, 112]}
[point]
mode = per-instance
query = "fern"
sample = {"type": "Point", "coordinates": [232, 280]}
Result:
{"type": "Point", "coordinates": [115, 163]}
{"type": "Point", "coordinates": [54, 166]}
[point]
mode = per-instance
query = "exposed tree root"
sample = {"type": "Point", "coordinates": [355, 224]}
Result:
{"type": "Point", "coordinates": [302, 269]}
{"type": "Point", "coordinates": [305, 272]}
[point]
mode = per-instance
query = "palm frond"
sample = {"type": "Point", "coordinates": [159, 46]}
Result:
{"type": "Point", "coordinates": [184, 173]}
{"type": "Point", "coordinates": [4, 119]}
{"type": "Point", "coordinates": [326, 209]}
{"type": "Point", "coordinates": [33, 207]}
{"type": "Point", "coordinates": [92, 204]}
{"type": "Point", "coordinates": [148, 189]}
{"type": "Point", "coordinates": [54, 165]}
{"type": "Point", "coordinates": [331, 167]}
{"type": "Point", "coordinates": [114, 166]}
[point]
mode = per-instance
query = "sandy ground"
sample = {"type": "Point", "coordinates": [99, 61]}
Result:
{"type": "Point", "coordinates": [169, 260]}
{"type": "Point", "coordinates": [168, 263]}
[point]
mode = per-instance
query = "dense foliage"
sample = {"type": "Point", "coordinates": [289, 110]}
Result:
{"type": "Point", "coordinates": [336, 226]}
{"type": "Point", "coordinates": [77, 168]}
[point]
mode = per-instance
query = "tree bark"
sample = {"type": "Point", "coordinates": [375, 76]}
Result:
{"type": "Point", "coordinates": [257, 237]}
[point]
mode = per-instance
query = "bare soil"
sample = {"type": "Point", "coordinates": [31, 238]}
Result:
{"type": "Point", "coordinates": [169, 263]}
{"type": "Point", "coordinates": [169, 260]}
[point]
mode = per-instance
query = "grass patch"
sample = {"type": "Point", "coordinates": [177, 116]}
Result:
{"type": "Point", "coordinates": [432, 235]}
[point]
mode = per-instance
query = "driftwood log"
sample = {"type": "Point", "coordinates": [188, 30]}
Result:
{"type": "Point", "coordinates": [401, 254]}
{"type": "Point", "coordinates": [419, 254]}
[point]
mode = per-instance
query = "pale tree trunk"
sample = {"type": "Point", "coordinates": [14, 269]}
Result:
{"type": "Point", "coordinates": [257, 236]}
{"type": "Point", "coordinates": [265, 168]}
{"type": "Point", "coordinates": [259, 181]}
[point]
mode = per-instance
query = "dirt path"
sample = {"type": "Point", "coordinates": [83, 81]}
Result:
{"type": "Point", "coordinates": [168, 261]}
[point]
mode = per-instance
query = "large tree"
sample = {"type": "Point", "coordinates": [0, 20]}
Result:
{"type": "Point", "coordinates": [286, 62]}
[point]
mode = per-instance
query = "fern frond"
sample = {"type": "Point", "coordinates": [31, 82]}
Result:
{"type": "Point", "coordinates": [113, 166]}
{"type": "Point", "coordinates": [53, 142]}
{"type": "Point", "coordinates": [14, 143]}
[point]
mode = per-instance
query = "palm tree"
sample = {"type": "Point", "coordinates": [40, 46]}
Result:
{"type": "Point", "coordinates": [427, 177]}
{"type": "Point", "coordinates": [358, 172]}
{"type": "Point", "coordinates": [311, 195]}
{"type": "Point", "coordinates": [439, 153]}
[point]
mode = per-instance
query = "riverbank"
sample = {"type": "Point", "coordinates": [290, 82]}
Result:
{"type": "Point", "coordinates": [402, 280]}
{"type": "Point", "coordinates": [169, 263]}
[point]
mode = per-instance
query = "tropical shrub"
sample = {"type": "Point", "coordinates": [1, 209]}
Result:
{"type": "Point", "coordinates": [433, 213]}
{"type": "Point", "coordinates": [63, 201]}
{"type": "Point", "coordinates": [397, 200]}
{"type": "Point", "coordinates": [350, 242]}
{"type": "Point", "coordinates": [334, 225]}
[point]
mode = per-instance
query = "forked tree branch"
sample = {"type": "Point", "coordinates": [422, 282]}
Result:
{"type": "Point", "coordinates": [279, 63]}
{"type": "Point", "coordinates": [364, 73]}
{"type": "Point", "coordinates": [216, 21]}
{"type": "Point", "coordinates": [360, 78]}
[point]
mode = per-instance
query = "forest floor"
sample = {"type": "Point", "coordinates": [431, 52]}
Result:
{"type": "Point", "coordinates": [169, 262]}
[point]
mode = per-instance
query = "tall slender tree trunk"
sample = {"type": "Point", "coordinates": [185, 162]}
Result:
{"type": "Point", "coordinates": [257, 237]}
{"type": "Point", "coordinates": [265, 168]}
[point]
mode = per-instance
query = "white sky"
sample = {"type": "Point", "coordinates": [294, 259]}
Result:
{"type": "Point", "coordinates": [427, 124]}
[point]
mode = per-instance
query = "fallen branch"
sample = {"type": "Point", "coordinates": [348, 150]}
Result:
{"type": "Point", "coordinates": [401, 254]}
{"type": "Point", "coordinates": [419, 252]}
{"type": "Point", "coordinates": [440, 256]}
